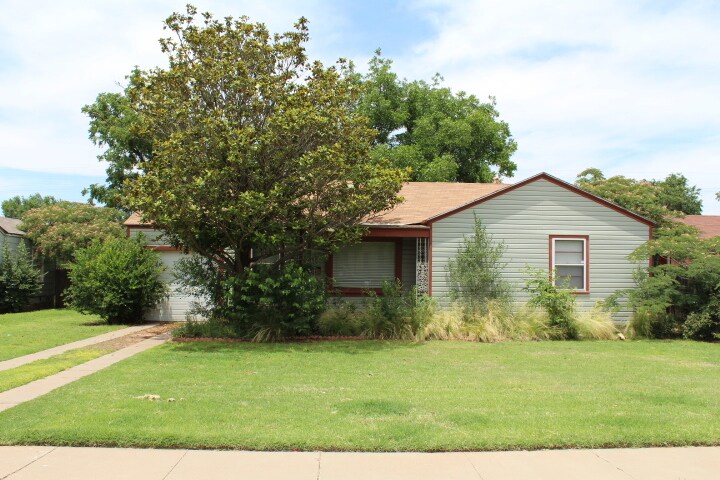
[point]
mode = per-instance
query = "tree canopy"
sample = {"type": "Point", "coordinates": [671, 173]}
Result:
{"type": "Point", "coordinates": [61, 229]}
{"type": "Point", "coordinates": [16, 207]}
{"type": "Point", "coordinates": [112, 119]}
{"type": "Point", "coordinates": [439, 135]}
{"type": "Point", "coordinates": [257, 152]}
{"type": "Point", "coordinates": [661, 201]}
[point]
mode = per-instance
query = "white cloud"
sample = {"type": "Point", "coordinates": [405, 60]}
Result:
{"type": "Point", "coordinates": [626, 87]}
{"type": "Point", "coordinates": [57, 56]}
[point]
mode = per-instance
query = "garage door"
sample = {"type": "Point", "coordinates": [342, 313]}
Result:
{"type": "Point", "coordinates": [177, 305]}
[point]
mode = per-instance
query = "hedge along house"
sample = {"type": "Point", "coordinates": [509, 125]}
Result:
{"type": "Point", "coordinates": [543, 222]}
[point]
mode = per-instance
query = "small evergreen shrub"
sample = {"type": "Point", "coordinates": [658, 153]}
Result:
{"type": "Point", "coordinates": [559, 303]}
{"type": "Point", "coordinates": [119, 280]}
{"type": "Point", "coordinates": [20, 280]}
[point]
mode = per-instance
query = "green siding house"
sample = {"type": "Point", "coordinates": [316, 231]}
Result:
{"type": "Point", "coordinates": [543, 221]}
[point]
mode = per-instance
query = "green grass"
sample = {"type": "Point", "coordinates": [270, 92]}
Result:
{"type": "Point", "coordinates": [388, 396]}
{"type": "Point", "coordinates": [24, 333]}
{"type": "Point", "coordinates": [44, 368]}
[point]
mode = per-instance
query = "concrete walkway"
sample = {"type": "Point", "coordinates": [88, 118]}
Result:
{"type": "Point", "coordinates": [29, 391]}
{"type": "Point", "coordinates": [39, 463]}
{"type": "Point", "coordinates": [18, 361]}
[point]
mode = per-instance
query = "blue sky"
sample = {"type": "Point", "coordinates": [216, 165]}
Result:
{"type": "Point", "coordinates": [627, 87]}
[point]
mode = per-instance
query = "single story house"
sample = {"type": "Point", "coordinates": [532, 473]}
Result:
{"type": "Point", "coordinates": [543, 222]}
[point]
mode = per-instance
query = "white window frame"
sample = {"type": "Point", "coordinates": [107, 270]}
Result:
{"type": "Point", "coordinates": [585, 260]}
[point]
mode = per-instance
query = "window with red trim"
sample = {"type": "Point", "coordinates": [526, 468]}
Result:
{"type": "Point", "coordinates": [569, 260]}
{"type": "Point", "coordinates": [365, 265]}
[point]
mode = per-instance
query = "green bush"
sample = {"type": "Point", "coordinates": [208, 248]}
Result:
{"type": "Point", "coordinates": [475, 274]}
{"type": "Point", "coordinates": [398, 314]}
{"type": "Point", "coordinates": [558, 302]}
{"type": "Point", "coordinates": [679, 297]}
{"type": "Point", "coordinates": [119, 280]}
{"type": "Point", "coordinates": [341, 318]}
{"type": "Point", "coordinates": [20, 280]}
{"type": "Point", "coordinates": [652, 323]}
{"type": "Point", "coordinates": [274, 302]}
{"type": "Point", "coordinates": [704, 325]}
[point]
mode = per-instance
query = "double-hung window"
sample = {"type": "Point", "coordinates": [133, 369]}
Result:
{"type": "Point", "coordinates": [569, 260]}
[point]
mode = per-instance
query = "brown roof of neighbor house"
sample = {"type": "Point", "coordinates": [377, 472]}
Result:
{"type": "Point", "coordinates": [709, 225]}
{"type": "Point", "coordinates": [424, 200]}
{"type": "Point", "coordinates": [134, 220]}
{"type": "Point", "coordinates": [10, 226]}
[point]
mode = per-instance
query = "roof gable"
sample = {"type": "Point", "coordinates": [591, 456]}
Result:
{"type": "Point", "coordinates": [551, 179]}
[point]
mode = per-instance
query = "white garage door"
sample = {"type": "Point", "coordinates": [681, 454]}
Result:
{"type": "Point", "coordinates": [177, 305]}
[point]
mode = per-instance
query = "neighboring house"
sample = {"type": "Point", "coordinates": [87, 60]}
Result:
{"type": "Point", "coordinates": [544, 223]}
{"type": "Point", "coordinates": [709, 225]}
{"type": "Point", "coordinates": [11, 235]}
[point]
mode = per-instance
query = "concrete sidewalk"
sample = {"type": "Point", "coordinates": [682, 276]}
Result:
{"type": "Point", "coordinates": [39, 463]}
{"type": "Point", "coordinates": [18, 361]}
{"type": "Point", "coordinates": [29, 391]}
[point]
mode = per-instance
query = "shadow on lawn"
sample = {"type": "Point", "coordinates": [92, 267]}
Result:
{"type": "Point", "coordinates": [349, 347]}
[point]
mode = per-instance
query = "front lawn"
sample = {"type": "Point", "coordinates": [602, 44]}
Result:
{"type": "Point", "coordinates": [367, 395]}
{"type": "Point", "coordinates": [30, 332]}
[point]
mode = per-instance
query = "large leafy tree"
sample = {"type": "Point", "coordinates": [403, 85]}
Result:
{"type": "Point", "coordinates": [111, 126]}
{"type": "Point", "coordinates": [677, 195]}
{"type": "Point", "coordinates": [662, 201]}
{"type": "Point", "coordinates": [440, 135]}
{"type": "Point", "coordinates": [16, 207]}
{"type": "Point", "coordinates": [60, 230]}
{"type": "Point", "coordinates": [256, 151]}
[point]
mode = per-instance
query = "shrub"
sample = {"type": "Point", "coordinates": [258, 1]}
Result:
{"type": "Point", "coordinates": [558, 302]}
{"type": "Point", "coordinates": [702, 326]}
{"type": "Point", "coordinates": [651, 323]}
{"type": "Point", "coordinates": [398, 314]}
{"type": "Point", "coordinates": [20, 280]}
{"type": "Point", "coordinates": [274, 302]}
{"type": "Point", "coordinates": [685, 289]}
{"type": "Point", "coordinates": [474, 274]}
{"type": "Point", "coordinates": [119, 280]}
{"type": "Point", "coordinates": [341, 319]}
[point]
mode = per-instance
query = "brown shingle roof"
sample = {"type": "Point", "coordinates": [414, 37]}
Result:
{"type": "Point", "coordinates": [134, 220]}
{"type": "Point", "coordinates": [424, 200]}
{"type": "Point", "coordinates": [709, 225]}
{"type": "Point", "coordinates": [10, 226]}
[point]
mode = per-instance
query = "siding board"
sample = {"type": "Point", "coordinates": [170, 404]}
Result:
{"type": "Point", "coordinates": [525, 218]}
